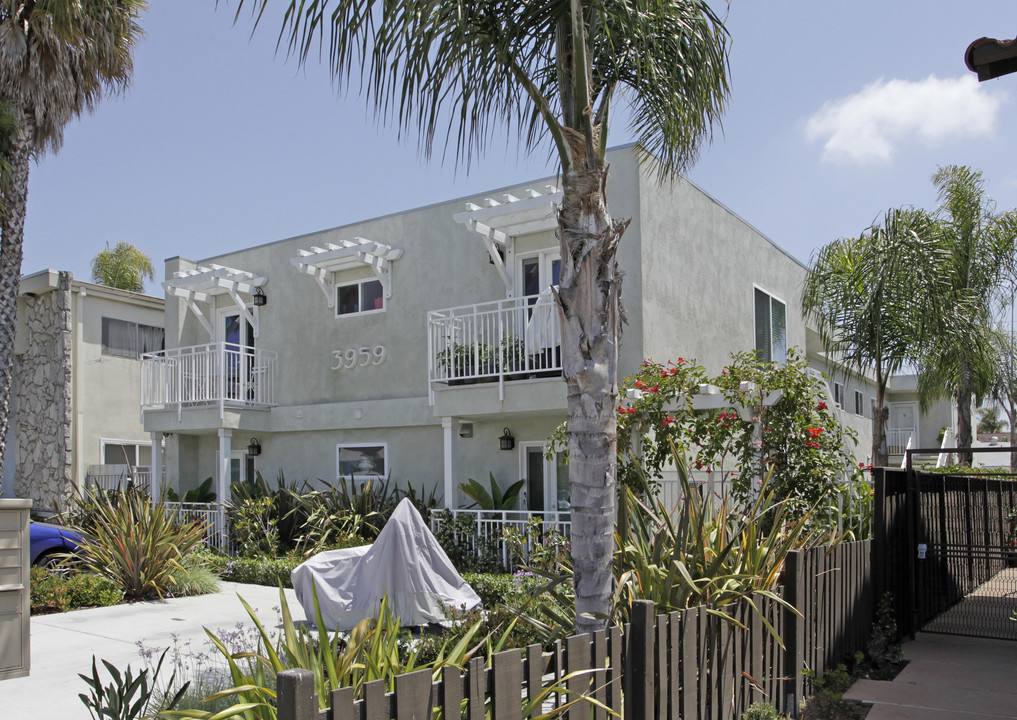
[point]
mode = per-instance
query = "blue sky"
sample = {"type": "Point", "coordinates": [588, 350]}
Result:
{"type": "Point", "coordinates": [838, 111]}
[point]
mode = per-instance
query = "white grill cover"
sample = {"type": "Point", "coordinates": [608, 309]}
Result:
{"type": "Point", "coordinates": [405, 561]}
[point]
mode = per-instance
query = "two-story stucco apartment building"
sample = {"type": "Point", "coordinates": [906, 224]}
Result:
{"type": "Point", "coordinates": [422, 345]}
{"type": "Point", "coordinates": [76, 380]}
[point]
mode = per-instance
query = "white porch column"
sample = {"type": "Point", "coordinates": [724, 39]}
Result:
{"type": "Point", "coordinates": [156, 465]}
{"type": "Point", "coordinates": [451, 426]}
{"type": "Point", "coordinates": [223, 478]}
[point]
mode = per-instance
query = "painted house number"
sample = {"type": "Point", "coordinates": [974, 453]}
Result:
{"type": "Point", "coordinates": [363, 356]}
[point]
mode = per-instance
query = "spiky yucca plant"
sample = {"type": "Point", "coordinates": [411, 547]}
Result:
{"type": "Point", "coordinates": [135, 542]}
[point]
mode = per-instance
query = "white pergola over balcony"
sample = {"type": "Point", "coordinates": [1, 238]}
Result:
{"type": "Point", "coordinates": [500, 222]}
{"type": "Point", "coordinates": [322, 263]}
{"type": "Point", "coordinates": [199, 286]}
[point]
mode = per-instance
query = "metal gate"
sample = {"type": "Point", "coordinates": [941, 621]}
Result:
{"type": "Point", "coordinates": [951, 539]}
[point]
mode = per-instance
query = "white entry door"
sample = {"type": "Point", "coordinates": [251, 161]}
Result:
{"type": "Point", "coordinates": [547, 481]}
{"type": "Point", "coordinates": [237, 338]}
{"type": "Point", "coordinates": [904, 415]}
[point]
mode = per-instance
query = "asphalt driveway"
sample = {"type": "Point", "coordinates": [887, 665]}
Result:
{"type": "Point", "coordinates": [63, 644]}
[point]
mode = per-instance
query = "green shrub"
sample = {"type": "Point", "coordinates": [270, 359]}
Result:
{"type": "Point", "coordinates": [55, 592]}
{"type": "Point", "coordinates": [134, 541]}
{"type": "Point", "coordinates": [762, 711]}
{"type": "Point", "coordinates": [259, 571]}
{"type": "Point", "coordinates": [827, 701]}
{"type": "Point", "coordinates": [49, 592]}
{"type": "Point", "coordinates": [501, 589]}
{"type": "Point", "coordinates": [87, 590]}
{"type": "Point", "coordinates": [468, 552]}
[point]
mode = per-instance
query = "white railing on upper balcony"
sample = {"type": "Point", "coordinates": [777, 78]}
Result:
{"type": "Point", "coordinates": [216, 374]}
{"type": "Point", "coordinates": [897, 440]}
{"type": "Point", "coordinates": [514, 338]}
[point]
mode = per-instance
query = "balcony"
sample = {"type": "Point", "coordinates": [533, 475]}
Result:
{"type": "Point", "coordinates": [214, 375]}
{"type": "Point", "coordinates": [512, 339]}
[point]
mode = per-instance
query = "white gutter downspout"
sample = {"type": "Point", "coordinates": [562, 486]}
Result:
{"type": "Point", "coordinates": [77, 438]}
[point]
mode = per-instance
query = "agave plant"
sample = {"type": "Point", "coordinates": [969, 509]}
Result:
{"type": "Point", "coordinates": [135, 542]}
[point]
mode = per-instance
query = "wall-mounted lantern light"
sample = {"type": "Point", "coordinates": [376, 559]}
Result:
{"type": "Point", "coordinates": [507, 441]}
{"type": "Point", "coordinates": [254, 448]}
{"type": "Point", "coordinates": [260, 299]}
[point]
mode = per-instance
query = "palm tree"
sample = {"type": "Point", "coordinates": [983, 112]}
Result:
{"type": "Point", "coordinates": [981, 245]}
{"type": "Point", "coordinates": [874, 298]}
{"type": "Point", "coordinates": [123, 267]}
{"type": "Point", "coordinates": [461, 68]}
{"type": "Point", "coordinates": [990, 421]}
{"type": "Point", "coordinates": [59, 57]}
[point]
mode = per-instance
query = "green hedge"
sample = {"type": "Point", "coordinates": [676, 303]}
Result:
{"type": "Point", "coordinates": [53, 592]}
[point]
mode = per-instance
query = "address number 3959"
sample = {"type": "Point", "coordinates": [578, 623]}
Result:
{"type": "Point", "coordinates": [358, 357]}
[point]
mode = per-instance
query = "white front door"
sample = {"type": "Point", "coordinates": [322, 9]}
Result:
{"type": "Point", "coordinates": [547, 480]}
{"type": "Point", "coordinates": [236, 336]}
{"type": "Point", "coordinates": [904, 415]}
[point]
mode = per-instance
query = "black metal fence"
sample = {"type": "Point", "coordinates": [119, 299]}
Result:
{"type": "Point", "coordinates": [942, 546]}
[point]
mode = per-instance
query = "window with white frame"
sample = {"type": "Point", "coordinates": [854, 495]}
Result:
{"type": "Point", "coordinates": [838, 394]}
{"type": "Point", "coordinates": [357, 298]}
{"type": "Point", "coordinates": [771, 327]}
{"type": "Point", "coordinates": [125, 452]}
{"type": "Point", "coordinates": [123, 338]}
{"type": "Point", "coordinates": [362, 460]}
{"type": "Point", "coordinates": [859, 403]}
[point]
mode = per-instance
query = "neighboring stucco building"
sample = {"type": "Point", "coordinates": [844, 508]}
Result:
{"type": "Point", "coordinates": [75, 391]}
{"type": "Point", "coordinates": [407, 345]}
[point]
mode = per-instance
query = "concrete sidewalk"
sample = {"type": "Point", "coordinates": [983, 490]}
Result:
{"type": "Point", "coordinates": [949, 677]}
{"type": "Point", "coordinates": [63, 644]}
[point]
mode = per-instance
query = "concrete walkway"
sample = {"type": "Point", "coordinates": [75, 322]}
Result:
{"type": "Point", "coordinates": [949, 677]}
{"type": "Point", "coordinates": [63, 644]}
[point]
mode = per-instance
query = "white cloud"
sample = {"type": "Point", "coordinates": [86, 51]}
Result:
{"type": "Point", "coordinates": [870, 125]}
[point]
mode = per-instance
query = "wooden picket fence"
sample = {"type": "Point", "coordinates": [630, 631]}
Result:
{"type": "Point", "coordinates": [689, 664]}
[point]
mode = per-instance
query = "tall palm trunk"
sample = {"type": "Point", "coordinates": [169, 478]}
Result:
{"type": "Point", "coordinates": [12, 235]}
{"type": "Point", "coordinates": [589, 294]}
{"type": "Point", "coordinates": [880, 452]}
{"type": "Point", "coordinates": [963, 397]}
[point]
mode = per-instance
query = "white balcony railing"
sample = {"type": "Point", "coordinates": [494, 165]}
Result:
{"type": "Point", "coordinates": [494, 341]}
{"type": "Point", "coordinates": [491, 526]}
{"type": "Point", "coordinates": [897, 439]}
{"type": "Point", "coordinates": [216, 374]}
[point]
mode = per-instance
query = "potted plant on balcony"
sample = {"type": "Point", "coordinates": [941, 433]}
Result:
{"type": "Point", "coordinates": [513, 356]}
{"type": "Point", "coordinates": [463, 362]}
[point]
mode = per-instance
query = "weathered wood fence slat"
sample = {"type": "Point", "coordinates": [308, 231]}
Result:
{"type": "Point", "coordinates": [689, 664]}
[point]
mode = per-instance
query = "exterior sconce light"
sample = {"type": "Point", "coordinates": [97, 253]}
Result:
{"type": "Point", "coordinates": [465, 430]}
{"type": "Point", "coordinates": [254, 448]}
{"type": "Point", "coordinates": [507, 441]}
{"type": "Point", "coordinates": [259, 297]}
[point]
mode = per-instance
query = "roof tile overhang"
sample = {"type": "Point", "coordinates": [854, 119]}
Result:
{"type": "Point", "coordinates": [991, 58]}
{"type": "Point", "coordinates": [202, 284]}
{"type": "Point", "coordinates": [321, 263]}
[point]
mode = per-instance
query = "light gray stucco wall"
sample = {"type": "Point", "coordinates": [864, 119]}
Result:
{"type": "Point", "coordinates": [700, 264]}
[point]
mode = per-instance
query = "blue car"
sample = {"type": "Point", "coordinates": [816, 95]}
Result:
{"type": "Point", "coordinates": [49, 543]}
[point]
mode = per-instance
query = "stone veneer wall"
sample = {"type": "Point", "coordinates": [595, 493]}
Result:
{"type": "Point", "coordinates": [43, 384]}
